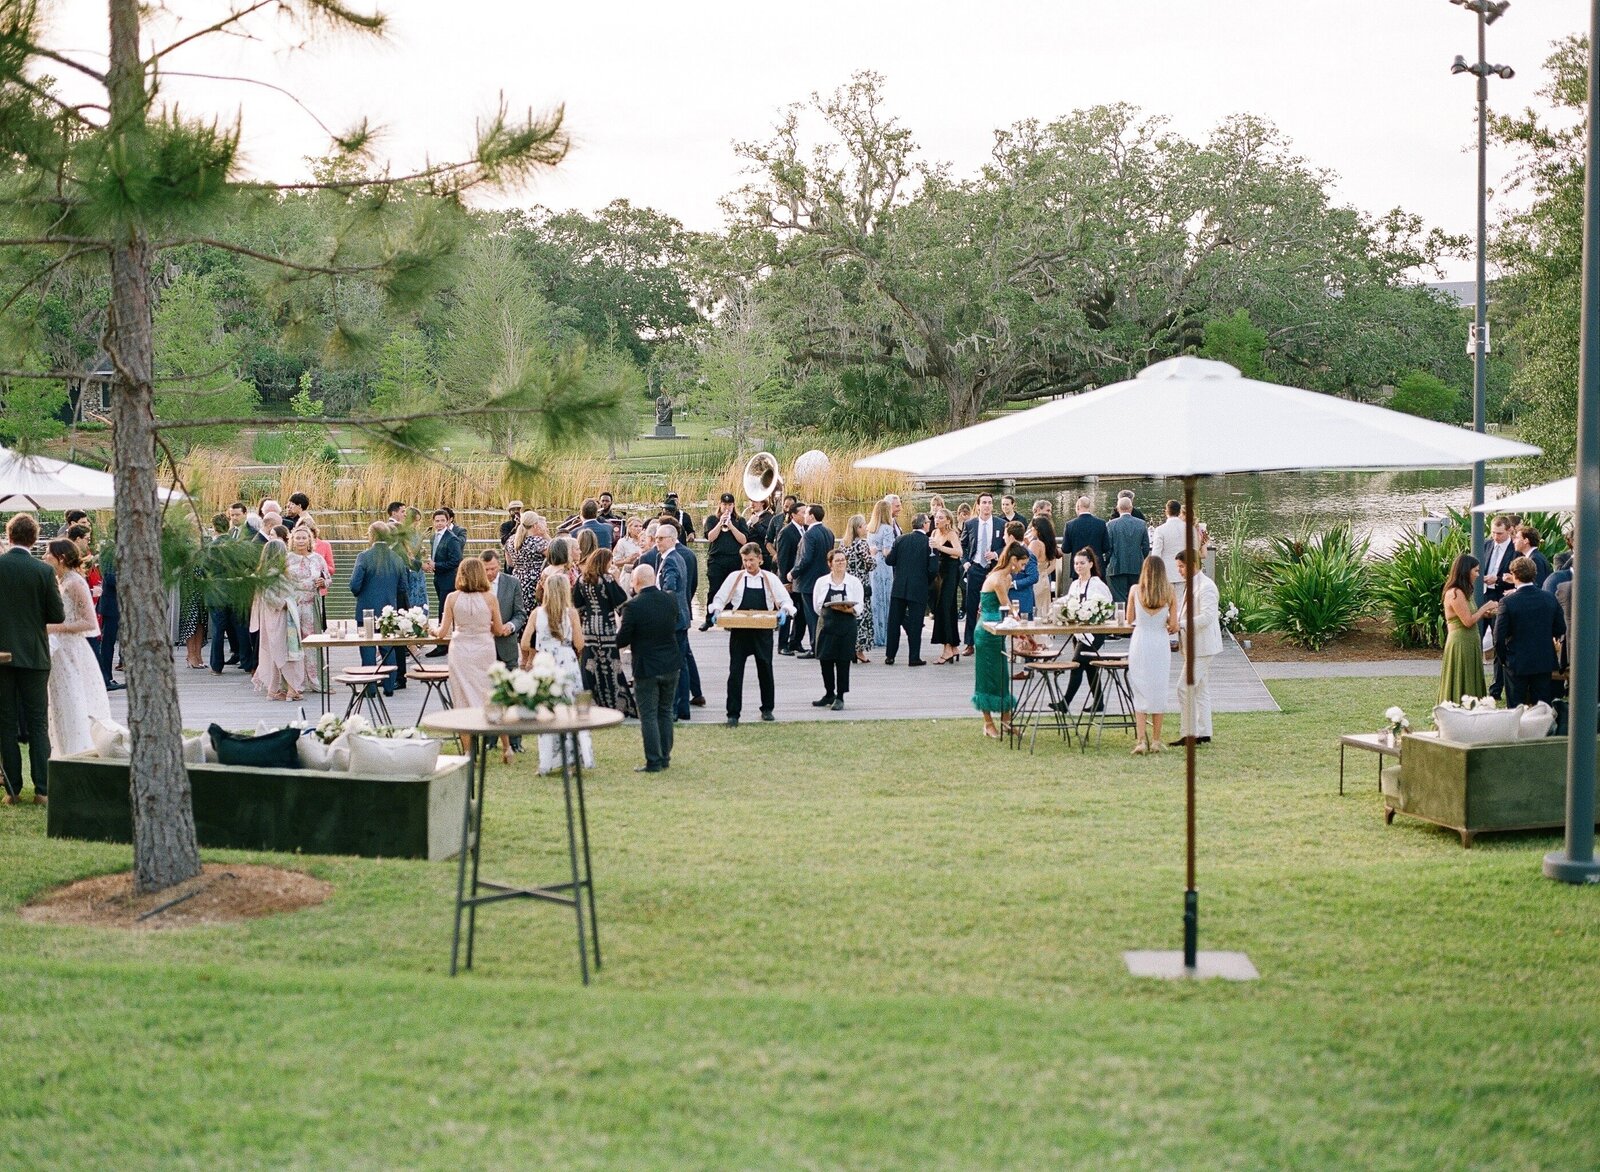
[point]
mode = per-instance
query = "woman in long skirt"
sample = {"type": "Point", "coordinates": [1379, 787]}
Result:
{"type": "Point", "coordinates": [860, 563]}
{"type": "Point", "coordinates": [597, 600]}
{"type": "Point", "coordinates": [1461, 672]}
{"type": "Point", "coordinates": [991, 677]}
{"type": "Point", "coordinates": [281, 663]}
{"type": "Point", "coordinates": [882, 532]}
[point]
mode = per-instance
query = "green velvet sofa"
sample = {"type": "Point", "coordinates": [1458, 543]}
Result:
{"type": "Point", "coordinates": [1474, 789]}
{"type": "Point", "coordinates": [289, 810]}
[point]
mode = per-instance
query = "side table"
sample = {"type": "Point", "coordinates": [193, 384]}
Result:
{"type": "Point", "coordinates": [567, 724]}
{"type": "Point", "coordinates": [1379, 743]}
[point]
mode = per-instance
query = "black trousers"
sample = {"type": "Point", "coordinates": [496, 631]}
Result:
{"type": "Point", "coordinates": [907, 616]}
{"type": "Point", "coordinates": [654, 695]}
{"type": "Point", "coordinates": [794, 635]}
{"type": "Point", "coordinates": [717, 572]}
{"type": "Point", "coordinates": [836, 676]}
{"type": "Point", "coordinates": [110, 627]}
{"type": "Point", "coordinates": [744, 645]}
{"type": "Point", "coordinates": [974, 584]}
{"type": "Point", "coordinates": [25, 702]}
{"type": "Point", "coordinates": [808, 610]}
{"type": "Point", "coordinates": [1529, 689]}
{"type": "Point", "coordinates": [227, 623]}
{"type": "Point", "coordinates": [1082, 657]}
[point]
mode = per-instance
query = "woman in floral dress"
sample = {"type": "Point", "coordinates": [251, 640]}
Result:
{"type": "Point", "coordinates": [597, 600]}
{"type": "Point", "coordinates": [859, 561]}
{"type": "Point", "coordinates": [525, 554]}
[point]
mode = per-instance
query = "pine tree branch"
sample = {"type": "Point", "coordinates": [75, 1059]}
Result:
{"type": "Point", "coordinates": [49, 54]}
{"type": "Point", "coordinates": [43, 273]}
{"type": "Point", "coordinates": [232, 18]}
{"type": "Point", "coordinates": [334, 420]}
{"type": "Point", "coordinates": [309, 113]}
{"type": "Point", "coordinates": [280, 261]}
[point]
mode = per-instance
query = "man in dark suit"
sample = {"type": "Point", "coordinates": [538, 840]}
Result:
{"type": "Point", "coordinates": [650, 626]}
{"type": "Point", "coordinates": [445, 549]}
{"type": "Point", "coordinates": [375, 581]}
{"type": "Point", "coordinates": [1086, 529]}
{"type": "Point", "coordinates": [914, 564]}
{"type": "Point", "coordinates": [1526, 633]}
{"type": "Point", "coordinates": [1495, 558]}
{"type": "Point", "coordinates": [786, 548]}
{"type": "Point", "coordinates": [32, 600]}
{"type": "Point", "coordinates": [1526, 542]}
{"type": "Point", "coordinates": [1129, 539]}
{"type": "Point", "coordinates": [810, 564]}
{"type": "Point", "coordinates": [982, 538]}
{"type": "Point", "coordinates": [508, 593]}
{"type": "Point", "coordinates": [591, 521]}
{"type": "Point", "coordinates": [673, 575]}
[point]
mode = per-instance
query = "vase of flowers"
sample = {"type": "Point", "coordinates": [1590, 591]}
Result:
{"type": "Point", "coordinates": [403, 624]}
{"type": "Point", "coordinates": [1398, 724]}
{"type": "Point", "coordinates": [1084, 612]}
{"type": "Point", "coordinates": [534, 690]}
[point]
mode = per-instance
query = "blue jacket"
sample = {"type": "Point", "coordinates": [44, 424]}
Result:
{"type": "Point", "coordinates": [673, 578]}
{"type": "Point", "coordinates": [447, 558]}
{"type": "Point", "coordinates": [601, 531]}
{"type": "Point", "coordinates": [1022, 585]}
{"type": "Point", "coordinates": [375, 580]}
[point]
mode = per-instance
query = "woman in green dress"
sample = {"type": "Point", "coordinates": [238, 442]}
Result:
{"type": "Point", "coordinates": [991, 684]}
{"type": "Point", "coordinates": [1462, 672]}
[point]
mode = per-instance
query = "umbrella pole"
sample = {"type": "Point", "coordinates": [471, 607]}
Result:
{"type": "Point", "coordinates": [1191, 897]}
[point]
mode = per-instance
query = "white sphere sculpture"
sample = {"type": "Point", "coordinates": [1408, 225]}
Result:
{"type": "Point", "coordinates": [810, 465]}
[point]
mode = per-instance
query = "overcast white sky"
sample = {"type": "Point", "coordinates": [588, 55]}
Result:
{"type": "Point", "coordinates": [656, 93]}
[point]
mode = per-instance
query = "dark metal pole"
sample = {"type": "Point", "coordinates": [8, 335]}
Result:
{"type": "Point", "coordinates": [1576, 863]}
{"type": "Point", "coordinates": [1191, 897]}
{"type": "Point", "coordinates": [1480, 365]}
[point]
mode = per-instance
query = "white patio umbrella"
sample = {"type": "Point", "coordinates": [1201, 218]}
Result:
{"type": "Point", "coordinates": [1559, 496]}
{"type": "Point", "coordinates": [1190, 417]}
{"type": "Point", "coordinates": [39, 482]}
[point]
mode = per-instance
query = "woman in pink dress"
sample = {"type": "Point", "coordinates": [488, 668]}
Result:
{"type": "Point", "coordinates": [281, 665]}
{"type": "Point", "coordinates": [471, 620]}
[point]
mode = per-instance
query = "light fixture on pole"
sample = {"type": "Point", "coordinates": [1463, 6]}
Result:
{"type": "Point", "coordinates": [1575, 862]}
{"type": "Point", "coordinates": [1488, 11]}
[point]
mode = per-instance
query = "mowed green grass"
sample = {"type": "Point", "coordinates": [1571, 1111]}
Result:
{"type": "Point", "coordinates": [864, 946]}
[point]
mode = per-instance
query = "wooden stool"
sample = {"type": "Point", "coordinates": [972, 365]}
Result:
{"type": "Point", "coordinates": [1037, 704]}
{"type": "Point", "coordinates": [366, 687]}
{"type": "Point", "coordinates": [437, 682]}
{"type": "Point", "coordinates": [1112, 670]}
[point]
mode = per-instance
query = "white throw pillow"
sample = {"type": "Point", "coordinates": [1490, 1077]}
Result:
{"type": "Point", "coordinates": [196, 749]}
{"type": "Point", "coordinates": [1536, 721]}
{"type": "Point", "coordinates": [332, 758]}
{"type": "Point", "coordinates": [1478, 726]}
{"type": "Point", "coordinates": [111, 740]}
{"type": "Point", "coordinates": [400, 758]}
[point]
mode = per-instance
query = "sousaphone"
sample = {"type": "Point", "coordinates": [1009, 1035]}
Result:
{"type": "Point", "coordinates": [763, 482]}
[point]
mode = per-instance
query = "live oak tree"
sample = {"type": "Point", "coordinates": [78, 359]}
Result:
{"type": "Point", "coordinates": [1086, 248]}
{"type": "Point", "coordinates": [117, 182]}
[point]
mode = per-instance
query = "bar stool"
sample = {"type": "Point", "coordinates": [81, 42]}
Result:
{"type": "Point", "coordinates": [1112, 671]}
{"type": "Point", "coordinates": [366, 687]}
{"type": "Point", "coordinates": [437, 682]}
{"type": "Point", "coordinates": [1037, 703]}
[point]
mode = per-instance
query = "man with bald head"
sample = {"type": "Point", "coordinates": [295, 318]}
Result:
{"type": "Point", "coordinates": [650, 623]}
{"type": "Point", "coordinates": [1084, 531]}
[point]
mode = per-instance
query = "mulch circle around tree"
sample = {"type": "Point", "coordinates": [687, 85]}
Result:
{"type": "Point", "coordinates": [223, 893]}
{"type": "Point", "coordinates": [1370, 640]}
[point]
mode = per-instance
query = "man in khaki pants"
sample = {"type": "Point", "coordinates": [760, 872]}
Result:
{"type": "Point", "coordinates": [1194, 703]}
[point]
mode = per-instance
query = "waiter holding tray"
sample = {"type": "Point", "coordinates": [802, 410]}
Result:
{"type": "Point", "coordinates": [838, 599]}
{"type": "Point", "coordinates": [747, 606]}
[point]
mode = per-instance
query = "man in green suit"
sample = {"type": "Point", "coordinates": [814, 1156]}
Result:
{"type": "Point", "coordinates": [32, 600]}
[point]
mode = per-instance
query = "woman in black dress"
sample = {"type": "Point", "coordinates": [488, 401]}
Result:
{"type": "Point", "coordinates": [946, 542]}
{"type": "Point", "coordinates": [597, 598]}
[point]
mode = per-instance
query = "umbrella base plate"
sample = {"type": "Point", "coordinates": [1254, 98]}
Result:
{"type": "Point", "coordinates": [1169, 966]}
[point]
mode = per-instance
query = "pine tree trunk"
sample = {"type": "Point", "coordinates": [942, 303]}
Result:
{"type": "Point", "coordinates": [165, 850]}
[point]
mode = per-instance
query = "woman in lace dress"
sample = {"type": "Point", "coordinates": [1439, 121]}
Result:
{"type": "Point", "coordinates": [76, 689]}
{"type": "Point", "coordinates": [859, 564]}
{"type": "Point", "coordinates": [556, 628]}
{"type": "Point", "coordinates": [525, 554]}
{"type": "Point", "coordinates": [597, 600]}
{"type": "Point", "coordinates": [275, 617]}
{"type": "Point", "coordinates": [470, 621]}
{"type": "Point", "coordinates": [309, 574]}
{"type": "Point", "coordinates": [881, 534]}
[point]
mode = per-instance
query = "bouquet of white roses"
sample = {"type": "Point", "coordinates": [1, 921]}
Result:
{"type": "Point", "coordinates": [542, 684]}
{"type": "Point", "coordinates": [409, 624]}
{"type": "Point", "coordinates": [1398, 723]}
{"type": "Point", "coordinates": [1084, 612]}
{"type": "Point", "coordinates": [1471, 703]}
{"type": "Point", "coordinates": [330, 727]}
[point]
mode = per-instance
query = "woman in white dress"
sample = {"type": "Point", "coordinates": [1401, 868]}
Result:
{"type": "Point", "coordinates": [77, 689]}
{"type": "Point", "coordinates": [1155, 621]}
{"type": "Point", "coordinates": [557, 629]}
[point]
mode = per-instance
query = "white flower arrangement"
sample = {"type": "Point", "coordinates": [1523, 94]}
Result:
{"type": "Point", "coordinates": [1084, 612]}
{"type": "Point", "coordinates": [1230, 618]}
{"type": "Point", "coordinates": [1398, 722]}
{"type": "Point", "coordinates": [411, 623]}
{"type": "Point", "coordinates": [398, 733]}
{"type": "Point", "coordinates": [542, 684]}
{"type": "Point", "coordinates": [330, 727]}
{"type": "Point", "coordinates": [1471, 703]}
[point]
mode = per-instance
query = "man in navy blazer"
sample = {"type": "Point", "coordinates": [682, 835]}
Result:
{"type": "Point", "coordinates": [650, 626]}
{"type": "Point", "coordinates": [810, 564]}
{"type": "Point", "coordinates": [982, 539]}
{"type": "Point", "coordinates": [1086, 531]}
{"type": "Point", "coordinates": [1526, 633]}
{"type": "Point", "coordinates": [375, 581]}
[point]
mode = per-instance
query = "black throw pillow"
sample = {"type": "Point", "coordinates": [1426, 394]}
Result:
{"type": "Point", "coordinates": [273, 750]}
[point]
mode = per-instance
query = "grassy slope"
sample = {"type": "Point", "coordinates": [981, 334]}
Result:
{"type": "Point", "coordinates": [861, 945]}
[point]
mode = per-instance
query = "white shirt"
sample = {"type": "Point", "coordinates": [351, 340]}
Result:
{"type": "Point", "coordinates": [853, 593]}
{"type": "Point", "coordinates": [985, 539]}
{"type": "Point", "coordinates": [1166, 542]}
{"type": "Point", "coordinates": [1093, 588]}
{"type": "Point", "coordinates": [1499, 559]}
{"type": "Point", "coordinates": [733, 587]}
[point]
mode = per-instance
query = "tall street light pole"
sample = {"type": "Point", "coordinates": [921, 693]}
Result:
{"type": "Point", "coordinates": [1488, 11]}
{"type": "Point", "coordinates": [1575, 862]}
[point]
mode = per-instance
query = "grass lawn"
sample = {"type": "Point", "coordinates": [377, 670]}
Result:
{"type": "Point", "coordinates": [855, 946]}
